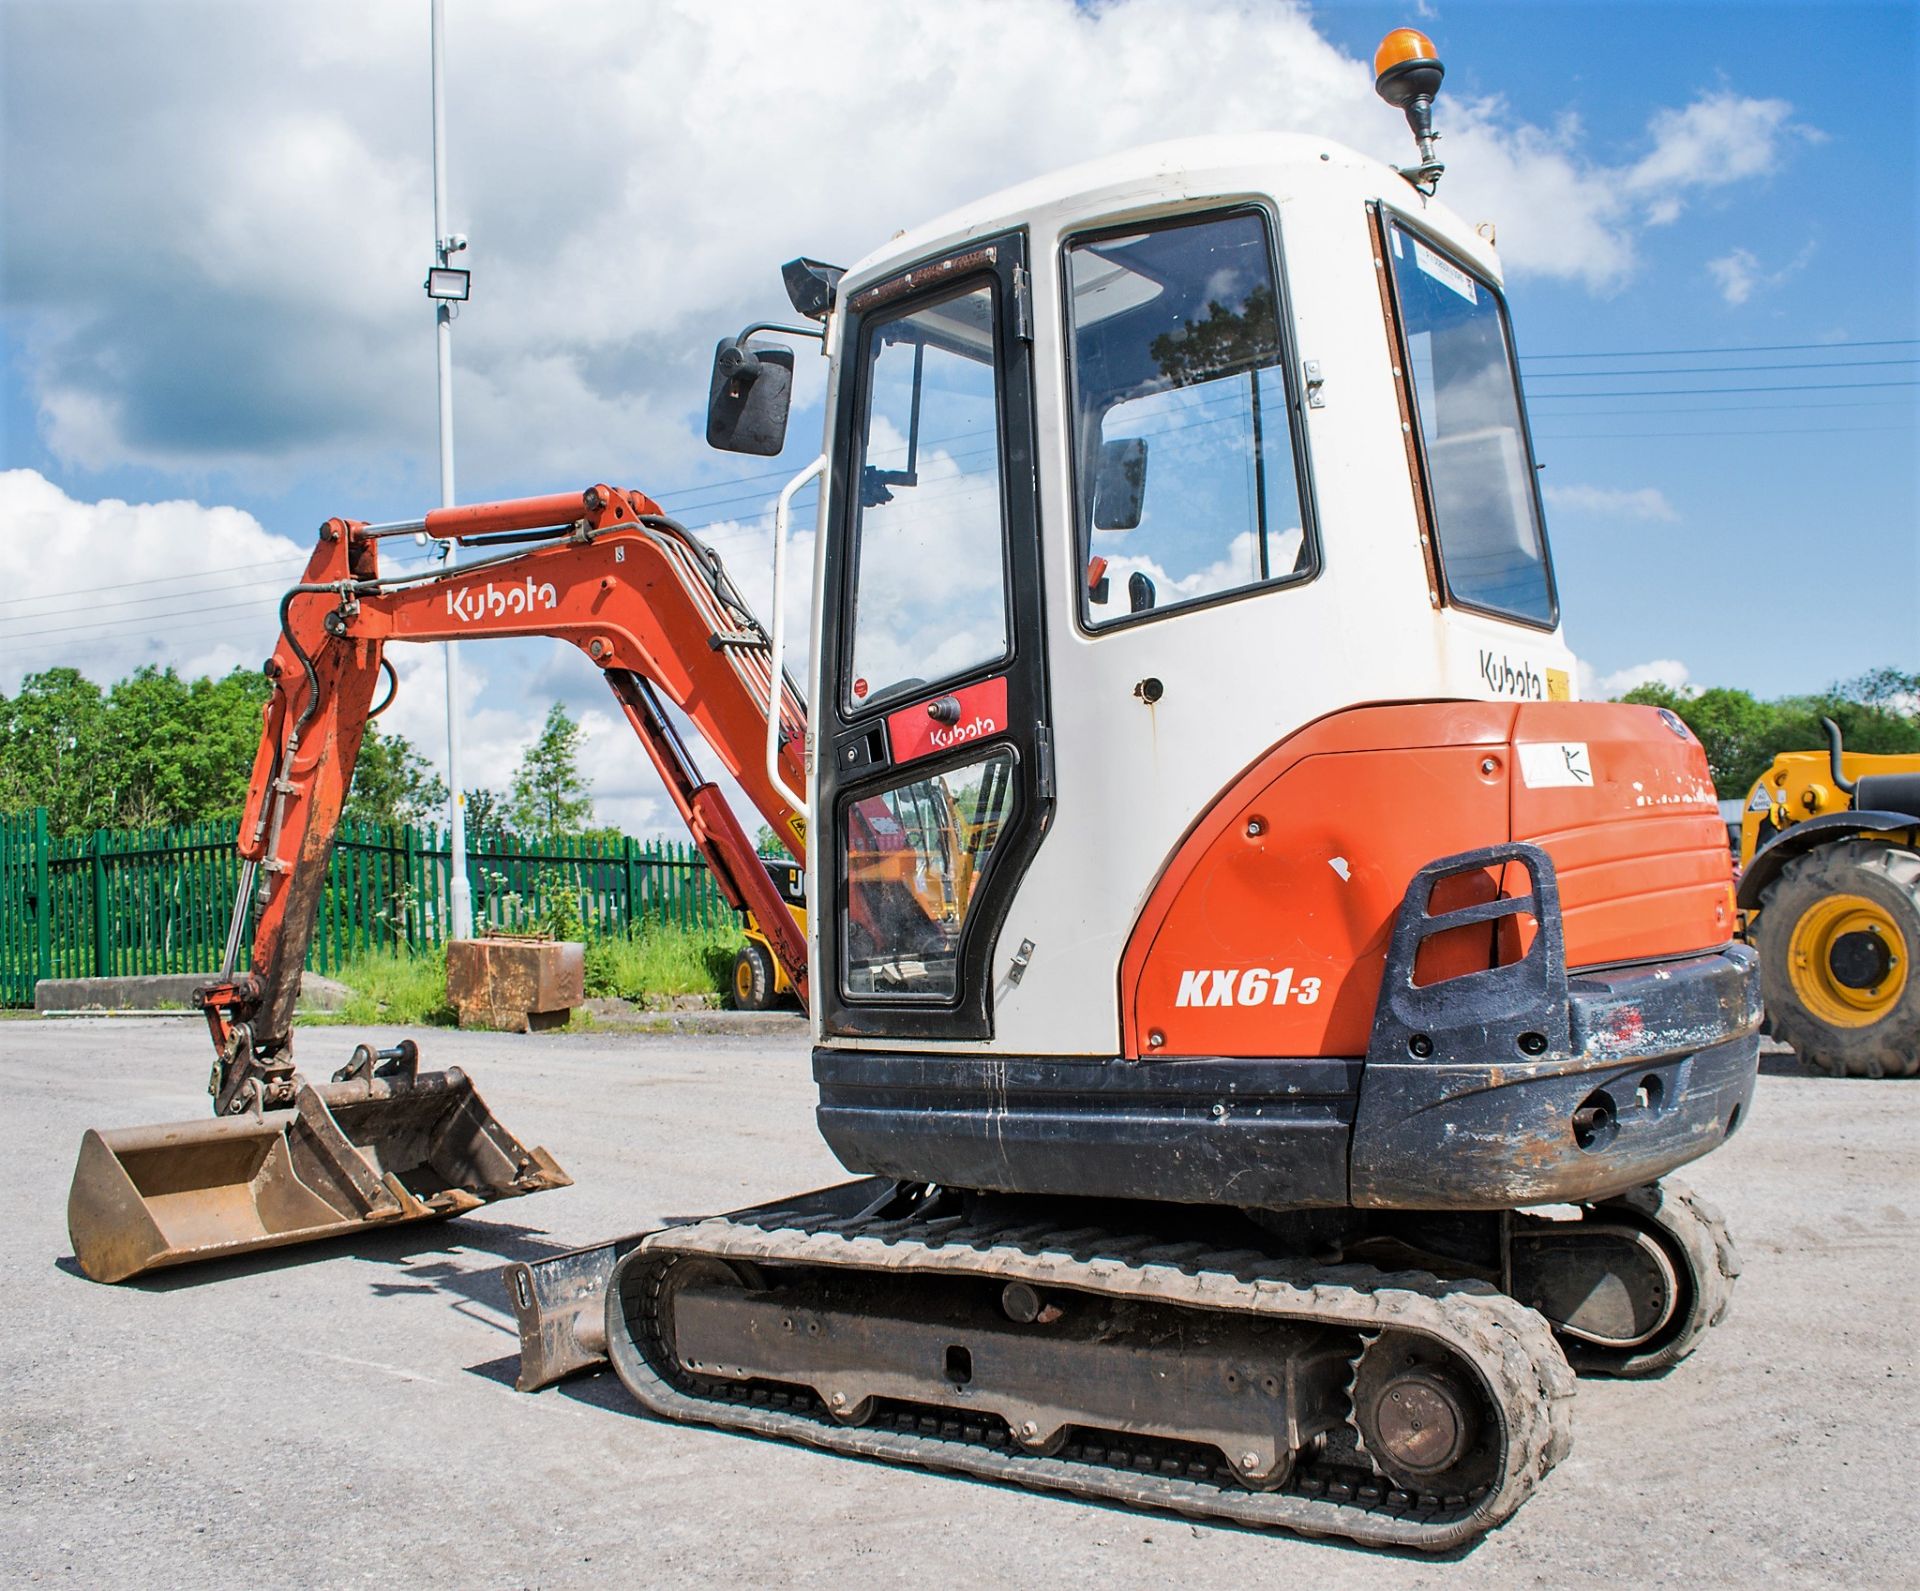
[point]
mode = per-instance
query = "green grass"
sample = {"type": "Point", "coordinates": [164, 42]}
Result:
{"type": "Point", "coordinates": [395, 987]}
{"type": "Point", "coordinates": [659, 958]}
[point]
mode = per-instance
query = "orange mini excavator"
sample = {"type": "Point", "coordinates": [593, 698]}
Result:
{"type": "Point", "coordinates": [1260, 1004]}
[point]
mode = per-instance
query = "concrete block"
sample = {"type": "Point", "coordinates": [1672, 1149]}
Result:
{"type": "Point", "coordinates": [155, 992]}
{"type": "Point", "coordinates": [515, 985]}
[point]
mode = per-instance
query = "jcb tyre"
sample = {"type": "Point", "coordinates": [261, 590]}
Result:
{"type": "Point", "coordinates": [1838, 934]}
{"type": "Point", "coordinates": [752, 978]}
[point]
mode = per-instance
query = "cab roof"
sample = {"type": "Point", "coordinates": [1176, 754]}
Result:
{"type": "Point", "coordinates": [1166, 176]}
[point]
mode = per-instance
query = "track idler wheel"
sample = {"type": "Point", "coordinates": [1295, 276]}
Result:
{"type": "Point", "coordinates": [1421, 1420]}
{"type": "Point", "coordinates": [1632, 1287]}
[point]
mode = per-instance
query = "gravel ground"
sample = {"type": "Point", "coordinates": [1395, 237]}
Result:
{"type": "Point", "coordinates": [345, 1414]}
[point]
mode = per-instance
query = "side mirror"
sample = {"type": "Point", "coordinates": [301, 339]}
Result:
{"type": "Point", "coordinates": [1120, 483]}
{"type": "Point", "coordinates": [748, 398]}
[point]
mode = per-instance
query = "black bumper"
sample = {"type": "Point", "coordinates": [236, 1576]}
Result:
{"type": "Point", "coordinates": [1268, 1134]}
{"type": "Point", "coordinates": [1515, 1086]}
{"type": "Point", "coordinates": [1651, 1075]}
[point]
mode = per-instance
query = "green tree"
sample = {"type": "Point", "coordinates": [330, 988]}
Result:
{"type": "Point", "coordinates": [146, 749]}
{"type": "Point", "coordinates": [550, 794]}
{"type": "Point", "coordinates": [1888, 688]}
{"type": "Point", "coordinates": [228, 713]}
{"type": "Point", "coordinates": [1878, 712]}
{"type": "Point", "coordinates": [767, 843]}
{"type": "Point", "coordinates": [180, 751]}
{"type": "Point", "coordinates": [1739, 734]}
{"type": "Point", "coordinates": [52, 736]}
{"type": "Point", "coordinates": [486, 811]}
{"type": "Point", "coordinates": [393, 783]}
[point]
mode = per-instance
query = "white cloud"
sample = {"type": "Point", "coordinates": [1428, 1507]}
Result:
{"type": "Point", "coordinates": [1613, 502]}
{"type": "Point", "coordinates": [1718, 139]}
{"type": "Point", "coordinates": [1735, 275]}
{"type": "Point", "coordinates": [108, 586]}
{"type": "Point", "coordinates": [1668, 671]}
{"type": "Point", "coordinates": [1739, 274]}
{"type": "Point", "coordinates": [223, 273]}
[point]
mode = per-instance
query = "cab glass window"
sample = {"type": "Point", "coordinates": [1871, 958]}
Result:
{"type": "Point", "coordinates": [930, 588]}
{"type": "Point", "coordinates": [915, 855]}
{"type": "Point", "coordinates": [1188, 484]}
{"type": "Point", "coordinates": [1486, 517]}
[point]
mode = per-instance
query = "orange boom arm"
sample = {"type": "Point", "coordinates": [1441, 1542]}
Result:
{"type": "Point", "coordinates": [648, 603]}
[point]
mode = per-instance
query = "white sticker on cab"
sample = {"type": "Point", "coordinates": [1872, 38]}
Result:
{"type": "Point", "coordinates": [1444, 272]}
{"type": "Point", "coordinates": [1554, 763]}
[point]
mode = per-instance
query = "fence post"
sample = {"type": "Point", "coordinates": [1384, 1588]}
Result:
{"type": "Point", "coordinates": [98, 857]}
{"type": "Point", "coordinates": [42, 895]}
{"type": "Point", "coordinates": [410, 841]}
{"type": "Point", "coordinates": [632, 881]}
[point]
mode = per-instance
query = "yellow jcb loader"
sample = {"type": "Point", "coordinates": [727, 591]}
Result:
{"type": "Point", "coordinates": [1830, 889]}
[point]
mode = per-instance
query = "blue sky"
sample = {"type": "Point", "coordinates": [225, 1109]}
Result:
{"type": "Point", "coordinates": [212, 263]}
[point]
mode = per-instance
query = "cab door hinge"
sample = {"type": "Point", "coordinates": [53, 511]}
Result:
{"type": "Point", "coordinates": [1022, 304]}
{"type": "Point", "coordinates": [1043, 762]}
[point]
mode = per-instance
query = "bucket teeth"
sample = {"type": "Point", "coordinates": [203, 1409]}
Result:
{"type": "Point", "coordinates": [370, 1151]}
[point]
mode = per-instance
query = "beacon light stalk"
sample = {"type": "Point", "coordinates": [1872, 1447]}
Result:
{"type": "Point", "coordinates": [1407, 74]}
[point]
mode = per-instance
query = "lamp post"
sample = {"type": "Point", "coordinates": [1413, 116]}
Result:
{"type": "Point", "coordinates": [446, 286]}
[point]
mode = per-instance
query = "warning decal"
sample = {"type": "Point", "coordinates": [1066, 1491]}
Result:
{"type": "Point", "coordinates": [1555, 763]}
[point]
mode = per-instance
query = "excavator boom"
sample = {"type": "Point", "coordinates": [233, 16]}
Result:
{"type": "Point", "coordinates": [285, 1160]}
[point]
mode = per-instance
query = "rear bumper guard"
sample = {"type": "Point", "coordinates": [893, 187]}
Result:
{"type": "Point", "coordinates": [1524, 1084]}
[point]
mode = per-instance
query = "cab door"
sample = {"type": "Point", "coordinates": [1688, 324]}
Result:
{"type": "Point", "coordinates": [934, 778]}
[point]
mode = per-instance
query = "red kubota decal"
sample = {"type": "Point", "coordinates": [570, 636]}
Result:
{"type": "Point", "coordinates": [974, 712]}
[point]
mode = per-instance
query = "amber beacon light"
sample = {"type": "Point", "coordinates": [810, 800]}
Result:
{"type": "Point", "coordinates": [1407, 74]}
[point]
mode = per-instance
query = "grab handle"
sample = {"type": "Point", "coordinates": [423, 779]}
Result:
{"type": "Point", "coordinates": [781, 512]}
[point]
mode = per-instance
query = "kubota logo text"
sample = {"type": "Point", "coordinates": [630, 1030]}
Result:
{"type": "Point", "coordinates": [1245, 986]}
{"type": "Point", "coordinates": [469, 603]}
{"type": "Point", "coordinates": [1504, 677]}
{"type": "Point", "coordinates": [941, 736]}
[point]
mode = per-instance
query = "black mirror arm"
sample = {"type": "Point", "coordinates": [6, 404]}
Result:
{"type": "Point", "coordinates": [817, 333]}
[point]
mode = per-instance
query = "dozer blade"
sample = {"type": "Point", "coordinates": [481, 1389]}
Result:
{"type": "Point", "coordinates": [560, 1302]}
{"type": "Point", "coordinates": [560, 1305]}
{"type": "Point", "coordinates": [370, 1151]}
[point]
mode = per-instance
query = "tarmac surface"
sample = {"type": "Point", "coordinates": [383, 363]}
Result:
{"type": "Point", "coordinates": [344, 1414]}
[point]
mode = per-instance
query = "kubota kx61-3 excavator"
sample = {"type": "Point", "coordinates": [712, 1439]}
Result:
{"type": "Point", "coordinates": [1277, 1101]}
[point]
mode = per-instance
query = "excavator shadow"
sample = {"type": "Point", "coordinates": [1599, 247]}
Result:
{"type": "Point", "coordinates": [491, 1242]}
{"type": "Point", "coordinates": [1784, 1063]}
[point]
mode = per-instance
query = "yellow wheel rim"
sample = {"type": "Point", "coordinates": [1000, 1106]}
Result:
{"type": "Point", "coordinates": [1848, 961]}
{"type": "Point", "coordinates": [743, 979]}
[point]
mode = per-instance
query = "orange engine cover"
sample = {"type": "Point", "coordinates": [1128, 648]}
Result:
{"type": "Point", "coordinates": [1267, 932]}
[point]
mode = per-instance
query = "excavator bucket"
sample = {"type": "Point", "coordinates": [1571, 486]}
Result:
{"type": "Point", "coordinates": [368, 1151]}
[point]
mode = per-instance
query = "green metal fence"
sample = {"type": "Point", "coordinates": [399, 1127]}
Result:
{"type": "Point", "coordinates": [119, 903]}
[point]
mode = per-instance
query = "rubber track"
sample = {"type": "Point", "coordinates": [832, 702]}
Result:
{"type": "Point", "coordinates": [1508, 1346]}
{"type": "Point", "coordinates": [1713, 1265]}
